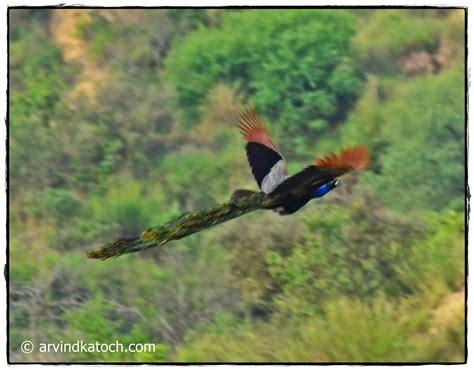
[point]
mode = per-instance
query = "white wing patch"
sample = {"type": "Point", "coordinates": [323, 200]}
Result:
{"type": "Point", "coordinates": [275, 177]}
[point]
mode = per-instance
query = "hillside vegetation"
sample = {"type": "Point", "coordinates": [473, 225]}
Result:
{"type": "Point", "coordinates": [122, 119]}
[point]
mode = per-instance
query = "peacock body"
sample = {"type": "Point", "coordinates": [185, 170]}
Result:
{"type": "Point", "coordinates": [279, 190]}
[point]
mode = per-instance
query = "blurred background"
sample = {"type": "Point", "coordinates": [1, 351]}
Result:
{"type": "Point", "coordinates": [122, 119]}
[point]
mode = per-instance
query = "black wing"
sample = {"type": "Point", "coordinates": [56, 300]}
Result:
{"type": "Point", "coordinates": [262, 154]}
{"type": "Point", "coordinates": [304, 182]}
{"type": "Point", "coordinates": [261, 160]}
{"type": "Point", "coordinates": [324, 170]}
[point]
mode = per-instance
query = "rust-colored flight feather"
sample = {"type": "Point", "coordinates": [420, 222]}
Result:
{"type": "Point", "coordinates": [254, 129]}
{"type": "Point", "coordinates": [353, 158]}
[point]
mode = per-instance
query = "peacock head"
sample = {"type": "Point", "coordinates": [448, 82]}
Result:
{"type": "Point", "coordinates": [326, 188]}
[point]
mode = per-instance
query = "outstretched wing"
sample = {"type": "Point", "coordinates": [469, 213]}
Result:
{"type": "Point", "coordinates": [268, 165]}
{"type": "Point", "coordinates": [352, 158]}
{"type": "Point", "coordinates": [325, 170]}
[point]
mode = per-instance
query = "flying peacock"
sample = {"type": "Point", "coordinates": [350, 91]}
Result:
{"type": "Point", "coordinates": [279, 191]}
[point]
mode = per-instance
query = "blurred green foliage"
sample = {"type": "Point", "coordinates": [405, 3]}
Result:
{"type": "Point", "coordinates": [416, 132]}
{"type": "Point", "coordinates": [267, 54]}
{"type": "Point", "coordinates": [38, 78]}
{"type": "Point", "coordinates": [122, 119]}
{"type": "Point", "coordinates": [423, 31]}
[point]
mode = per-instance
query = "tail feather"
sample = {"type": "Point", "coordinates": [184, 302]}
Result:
{"type": "Point", "coordinates": [241, 193]}
{"type": "Point", "coordinates": [186, 224]}
{"type": "Point", "coordinates": [115, 248]}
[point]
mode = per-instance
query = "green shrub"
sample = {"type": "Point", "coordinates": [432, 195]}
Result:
{"type": "Point", "coordinates": [295, 65]}
{"type": "Point", "coordinates": [417, 141]}
{"type": "Point", "coordinates": [346, 331]}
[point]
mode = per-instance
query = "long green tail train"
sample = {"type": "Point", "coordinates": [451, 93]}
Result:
{"type": "Point", "coordinates": [182, 226]}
